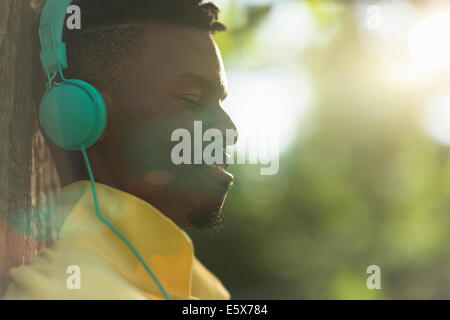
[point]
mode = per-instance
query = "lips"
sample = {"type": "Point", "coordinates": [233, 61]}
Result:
{"type": "Point", "coordinates": [220, 170]}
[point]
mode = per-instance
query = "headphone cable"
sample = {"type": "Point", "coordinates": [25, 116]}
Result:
{"type": "Point", "coordinates": [117, 232]}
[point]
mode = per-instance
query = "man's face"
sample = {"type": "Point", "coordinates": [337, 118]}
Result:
{"type": "Point", "coordinates": [177, 80]}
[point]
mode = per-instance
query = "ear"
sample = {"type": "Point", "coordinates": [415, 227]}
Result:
{"type": "Point", "coordinates": [109, 101]}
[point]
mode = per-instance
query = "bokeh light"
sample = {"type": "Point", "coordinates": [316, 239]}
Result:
{"type": "Point", "coordinates": [429, 41]}
{"type": "Point", "coordinates": [268, 101]}
{"type": "Point", "coordinates": [437, 119]}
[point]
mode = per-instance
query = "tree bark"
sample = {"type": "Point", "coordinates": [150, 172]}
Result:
{"type": "Point", "coordinates": [26, 169]}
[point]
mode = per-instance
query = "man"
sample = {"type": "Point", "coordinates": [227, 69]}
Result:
{"type": "Point", "coordinates": [158, 68]}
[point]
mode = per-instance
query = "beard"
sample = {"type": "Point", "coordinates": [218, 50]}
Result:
{"type": "Point", "coordinates": [205, 194]}
{"type": "Point", "coordinates": [209, 218]}
{"type": "Point", "coordinates": [208, 215]}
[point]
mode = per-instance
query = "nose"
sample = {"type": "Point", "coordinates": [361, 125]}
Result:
{"type": "Point", "coordinates": [223, 122]}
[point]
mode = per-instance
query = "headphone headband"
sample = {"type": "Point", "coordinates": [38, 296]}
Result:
{"type": "Point", "coordinates": [53, 54]}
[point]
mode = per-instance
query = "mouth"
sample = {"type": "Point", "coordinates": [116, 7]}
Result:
{"type": "Point", "coordinates": [220, 170]}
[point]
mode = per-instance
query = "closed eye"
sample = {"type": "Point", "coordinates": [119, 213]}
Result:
{"type": "Point", "coordinates": [191, 101]}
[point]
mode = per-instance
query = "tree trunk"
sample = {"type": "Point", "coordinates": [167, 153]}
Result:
{"type": "Point", "coordinates": [26, 169]}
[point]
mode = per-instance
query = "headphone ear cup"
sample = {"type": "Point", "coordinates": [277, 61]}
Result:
{"type": "Point", "coordinates": [73, 114]}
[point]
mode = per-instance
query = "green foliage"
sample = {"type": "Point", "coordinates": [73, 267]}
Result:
{"type": "Point", "coordinates": [362, 185]}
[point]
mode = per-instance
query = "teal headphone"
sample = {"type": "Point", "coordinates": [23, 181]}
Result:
{"type": "Point", "coordinates": [72, 113]}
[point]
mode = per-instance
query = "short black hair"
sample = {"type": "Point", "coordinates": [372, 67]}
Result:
{"type": "Point", "coordinates": [193, 13]}
{"type": "Point", "coordinates": [112, 32]}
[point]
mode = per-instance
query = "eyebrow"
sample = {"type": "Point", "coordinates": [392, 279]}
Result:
{"type": "Point", "coordinates": [216, 86]}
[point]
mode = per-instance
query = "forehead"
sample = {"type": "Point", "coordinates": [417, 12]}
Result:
{"type": "Point", "coordinates": [173, 50]}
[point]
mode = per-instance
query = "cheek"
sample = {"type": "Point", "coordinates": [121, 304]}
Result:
{"type": "Point", "coordinates": [144, 136]}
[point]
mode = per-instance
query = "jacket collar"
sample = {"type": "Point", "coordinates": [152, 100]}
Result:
{"type": "Point", "coordinates": [166, 248]}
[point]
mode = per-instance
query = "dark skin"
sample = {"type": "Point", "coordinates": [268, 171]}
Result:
{"type": "Point", "coordinates": [177, 79]}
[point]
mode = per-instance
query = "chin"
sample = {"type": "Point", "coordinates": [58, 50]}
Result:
{"type": "Point", "coordinates": [193, 198]}
{"type": "Point", "coordinates": [209, 216]}
{"type": "Point", "coordinates": [212, 187]}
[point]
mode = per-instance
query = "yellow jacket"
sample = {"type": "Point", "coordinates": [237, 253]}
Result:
{"type": "Point", "coordinates": [107, 267]}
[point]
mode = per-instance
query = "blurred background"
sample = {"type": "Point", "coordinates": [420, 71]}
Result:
{"type": "Point", "coordinates": [359, 95]}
